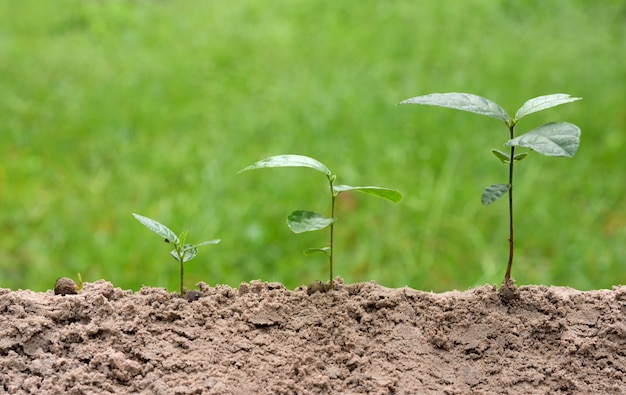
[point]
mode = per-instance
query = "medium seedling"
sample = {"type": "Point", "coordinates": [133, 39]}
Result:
{"type": "Point", "coordinates": [182, 252]}
{"type": "Point", "coordinates": [300, 221]}
{"type": "Point", "coordinates": [551, 139]}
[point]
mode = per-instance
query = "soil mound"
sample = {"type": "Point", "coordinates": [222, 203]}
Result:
{"type": "Point", "coordinates": [360, 338]}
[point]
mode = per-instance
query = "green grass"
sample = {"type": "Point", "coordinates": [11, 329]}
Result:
{"type": "Point", "coordinates": [109, 108]}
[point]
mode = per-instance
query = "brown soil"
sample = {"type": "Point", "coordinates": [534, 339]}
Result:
{"type": "Point", "coordinates": [360, 338]}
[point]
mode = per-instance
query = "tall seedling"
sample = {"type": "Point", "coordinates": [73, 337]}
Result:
{"type": "Point", "coordinates": [551, 139]}
{"type": "Point", "coordinates": [300, 221]}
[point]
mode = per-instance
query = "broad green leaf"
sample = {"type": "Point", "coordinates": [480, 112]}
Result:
{"type": "Point", "coordinates": [493, 192]}
{"type": "Point", "coordinates": [324, 250]}
{"type": "Point", "coordinates": [207, 243]}
{"type": "Point", "coordinates": [543, 102]}
{"type": "Point", "coordinates": [520, 157]}
{"type": "Point", "coordinates": [301, 221]}
{"type": "Point", "coordinates": [462, 101]}
{"type": "Point", "coordinates": [189, 252]}
{"type": "Point", "coordinates": [552, 139]}
{"type": "Point", "coordinates": [289, 161]}
{"type": "Point", "coordinates": [157, 228]}
{"type": "Point", "coordinates": [384, 193]}
{"type": "Point", "coordinates": [504, 158]}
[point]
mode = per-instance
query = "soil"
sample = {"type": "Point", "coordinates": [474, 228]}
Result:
{"type": "Point", "coordinates": [264, 339]}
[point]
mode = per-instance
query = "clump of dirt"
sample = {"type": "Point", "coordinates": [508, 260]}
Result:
{"type": "Point", "coordinates": [362, 338]}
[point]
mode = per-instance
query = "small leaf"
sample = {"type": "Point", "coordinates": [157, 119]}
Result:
{"type": "Point", "coordinates": [504, 158]}
{"type": "Point", "coordinates": [542, 102]}
{"type": "Point", "coordinates": [383, 193]}
{"type": "Point", "coordinates": [520, 157]}
{"type": "Point", "coordinates": [552, 139]}
{"type": "Point", "coordinates": [189, 252]}
{"type": "Point", "coordinates": [493, 192]}
{"type": "Point", "coordinates": [157, 228]}
{"type": "Point", "coordinates": [207, 243]}
{"type": "Point", "coordinates": [301, 221]}
{"type": "Point", "coordinates": [288, 161]}
{"type": "Point", "coordinates": [324, 250]}
{"type": "Point", "coordinates": [462, 101]}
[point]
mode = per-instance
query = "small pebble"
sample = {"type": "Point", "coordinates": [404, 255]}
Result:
{"type": "Point", "coordinates": [192, 296]}
{"type": "Point", "coordinates": [65, 286]}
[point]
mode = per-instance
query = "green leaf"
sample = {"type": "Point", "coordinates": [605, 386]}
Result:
{"type": "Point", "coordinates": [462, 101]}
{"type": "Point", "coordinates": [543, 102]}
{"type": "Point", "coordinates": [324, 250]}
{"type": "Point", "coordinates": [288, 161]}
{"type": "Point", "coordinates": [504, 158]}
{"type": "Point", "coordinates": [189, 252]}
{"type": "Point", "coordinates": [207, 242]}
{"type": "Point", "coordinates": [157, 228]}
{"type": "Point", "coordinates": [552, 139]}
{"type": "Point", "coordinates": [493, 192]}
{"type": "Point", "coordinates": [384, 193]}
{"type": "Point", "coordinates": [520, 157]}
{"type": "Point", "coordinates": [301, 221]}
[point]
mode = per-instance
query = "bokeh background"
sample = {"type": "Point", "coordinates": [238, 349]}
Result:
{"type": "Point", "coordinates": [114, 107]}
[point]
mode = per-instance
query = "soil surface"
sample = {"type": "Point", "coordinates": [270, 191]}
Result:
{"type": "Point", "coordinates": [358, 339]}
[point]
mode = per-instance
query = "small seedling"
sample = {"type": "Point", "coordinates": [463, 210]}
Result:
{"type": "Point", "coordinates": [551, 139]}
{"type": "Point", "coordinates": [182, 252]}
{"type": "Point", "coordinates": [300, 221]}
{"type": "Point", "coordinates": [81, 283]}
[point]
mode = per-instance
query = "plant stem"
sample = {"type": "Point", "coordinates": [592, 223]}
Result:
{"type": "Point", "coordinates": [332, 229]}
{"type": "Point", "coordinates": [182, 268]}
{"type": "Point", "coordinates": [507, 275]}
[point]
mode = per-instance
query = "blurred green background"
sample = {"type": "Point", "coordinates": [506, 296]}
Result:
{"type": "Point", "coordinates": [114, 107]}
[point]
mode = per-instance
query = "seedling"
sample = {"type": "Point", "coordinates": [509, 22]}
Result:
{"type": "Point", "coordinates": [182, 252]}
{"type": "Point", "coordinates": [551, 139]}
{"type": "Point", "coordinates": [300, 221]}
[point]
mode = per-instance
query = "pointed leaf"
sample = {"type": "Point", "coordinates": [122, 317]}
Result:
{"type": "Point", "coordinates": [493, 192]}
{"type": "Point", "coordinates": [301, 221]}
{"type": "Point", "coordinates": [289, 161]}
{"type": "Point", "coordinates": [552, 139]}
{"type": "Point", "coordinates": [543, 102]}
{"type": "Point", "coordinates": [520, 157]}
{"type": "Point", "coordinates": [462, 101]}
{"type": "Point", "coordinates": [207, 243]}
{"type": "Point", "coordinates": [324, 250]}
{"type": "Point", "coordinates": [384, 193]}
{"type": "Point", "coordinates": [504, 158]}
{"type": "Point", "coordinates": [157, 228]}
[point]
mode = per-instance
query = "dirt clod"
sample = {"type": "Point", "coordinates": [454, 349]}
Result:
{"type": "Point", "coordinates": [193, 295]}
{"type": "Point", "coordinates": [317, 286]}
{"type": "Point", "coordinates": [508, 291]}
{"type": "Point", "coordinates": [65, 286]}
{"type": "Point", "coordinates": [360, 338]}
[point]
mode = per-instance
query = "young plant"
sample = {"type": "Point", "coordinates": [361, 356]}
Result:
{"type": "Point", "coordinates": [551, 139]}
{"type": "Point", "coordinates": [182, 252]}
{"type": "Point", "coordinates": [300, 221]}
